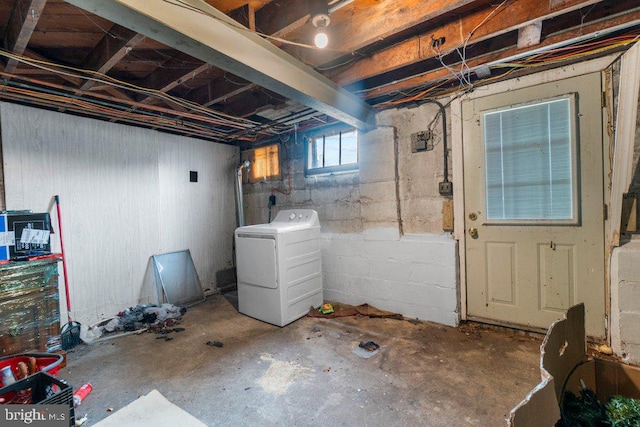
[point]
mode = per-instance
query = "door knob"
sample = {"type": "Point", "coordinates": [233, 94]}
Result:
{"type": "Point", "coordinates": [473, 232]}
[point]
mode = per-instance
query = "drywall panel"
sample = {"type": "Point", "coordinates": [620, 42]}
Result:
{"type": "Point", "coordinates": [116, 185]}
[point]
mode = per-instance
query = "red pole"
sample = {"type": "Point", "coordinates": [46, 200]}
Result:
{"type": "Point", "coordinates": [64, 262]}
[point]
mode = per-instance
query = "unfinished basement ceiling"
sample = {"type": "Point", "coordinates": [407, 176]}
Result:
{"type": "Point", "coordinates": [387, 53]}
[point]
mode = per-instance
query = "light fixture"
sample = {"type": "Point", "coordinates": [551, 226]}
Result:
{"type": "Point", "coordinates": [320, 19]}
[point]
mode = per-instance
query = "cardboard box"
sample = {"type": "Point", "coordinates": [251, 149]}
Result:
{"type": "Point", "coordinates": [563, 364]}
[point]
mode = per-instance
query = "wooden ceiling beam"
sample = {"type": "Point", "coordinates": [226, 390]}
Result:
{"type": "Point", "coordinates": [231, 94]}
{"type": "Point", "coordinates": [380, 25]}
{"type": "Point", "coordinates": [173, 81]}
{"type": "Point", "coordinates": [488, 22]}
{"type": "Point", "coordinates": [23, 21]}
{"type": "Point", "coordinates": [217, 91]}
{"type": "Point", "coordinates": [558, 39]}
{"type": "Point", "coordinates": [279, 17]}
{"type": "Point", "coordinates": [276, 19]}
{"type": "Point", "coordinates": [109, 51]}
{"type": "Point", "coordinates": [76, 81]}
{"type": "Point", "coordinates": [245, 15]}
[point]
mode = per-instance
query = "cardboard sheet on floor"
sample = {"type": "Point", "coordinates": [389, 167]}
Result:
{"type": "Point", "coordinates": [563, 365]}
{"type": "Point", "coordinates": [177, 281]}
{"type": "Point", "coordinates": [151, 410]}
{"type": "Point", "coordinates": [346, 310]}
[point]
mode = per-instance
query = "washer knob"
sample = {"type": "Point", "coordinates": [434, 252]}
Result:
{"type": "Point", "coordinates": [292, 217]}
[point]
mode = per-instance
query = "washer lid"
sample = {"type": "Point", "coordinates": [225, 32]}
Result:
{"type": "Point", "coordinates": [285, 221]}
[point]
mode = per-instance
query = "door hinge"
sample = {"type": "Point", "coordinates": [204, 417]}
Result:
{"type": "Point", "coordinates": [606, 212]}
{"type": "Point", "coordinates": [603, 100]}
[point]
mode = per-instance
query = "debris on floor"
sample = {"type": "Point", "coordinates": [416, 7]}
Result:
{"type": "Point", "coordinates": [326, 309]}
{"type": "Point", "coordinates": [366, 349]}
{"type": "Point", "coordinates": [215, 344]}
{"type": "Point", "coordinates": [138, 319]}
{"type": "Point", "coordinates": [315, 333]}
{"type": "Point", "coordinates": [604, 349]}
{"type": "Point", "coordinates": [346, 310]}
{"type": "Point", "coordinates": [81, 394]}
{"type": "Point", "coordinates": [369, 345]}
{"type": "Point", "coordinates": [81, 421]}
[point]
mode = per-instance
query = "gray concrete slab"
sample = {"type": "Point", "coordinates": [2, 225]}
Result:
{"type": "Point", "coordinates": [306, 374]}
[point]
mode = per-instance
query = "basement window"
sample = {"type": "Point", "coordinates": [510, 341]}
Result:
{"type": "Point", "coordinates": [265, 163]}
{"type": "Point", "coordinates": [332, 150]}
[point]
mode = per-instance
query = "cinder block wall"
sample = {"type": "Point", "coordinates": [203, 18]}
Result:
{"type": "Point", "coordinates": [382, 235]}
{"type": "Point", "coordinates": [625, 299]}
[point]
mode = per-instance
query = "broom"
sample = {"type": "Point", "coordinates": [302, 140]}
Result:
{"type": "Point", "coordinates": [70, 333]}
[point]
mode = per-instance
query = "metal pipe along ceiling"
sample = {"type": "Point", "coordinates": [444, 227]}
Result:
{"type": "Point", "coordinates": [196, 28]}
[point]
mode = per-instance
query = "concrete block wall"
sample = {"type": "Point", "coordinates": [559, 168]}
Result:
{"type": "Point", "coordinates": [419, 173]}
{"type": "Point", "coordinates": [625, 300]}
{"type": "Point", "coordinates": [382, 235]}
{"type": "Point", "coordinates": [413, 274]}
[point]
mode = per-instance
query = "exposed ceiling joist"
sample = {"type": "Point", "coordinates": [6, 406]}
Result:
{"type": "Point", "coordinates": [174, 82]}
{"type": "Point", "coordinates": [200, 30]}
{"type": "Point", "coordinates": [559, 39]}
{"type": "Point", "coordinates": [23, 21]}
{"type": "Point", "coordinates": [110, 50]}
{"type": "Point", "coordinates": [382, 24]}
{"type": "Point", "coordinates": [481, 25]}
{"type": "Point", "coordinates": [245, 15]}
{"type": "Point", "coordinates": [278, 18]}
{"type": "Point", "coordinates": [73, 80]}
{"type": "Point", "coordinates": [229, 94]}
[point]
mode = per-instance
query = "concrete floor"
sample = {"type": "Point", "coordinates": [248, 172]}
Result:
{"type": "Point", "coordinates": [306, 373]}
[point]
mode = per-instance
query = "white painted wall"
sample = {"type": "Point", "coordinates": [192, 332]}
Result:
{"type": "Point", "coordinates": [414, 275]}
{"type": "Point", "coordinates": [625, 298]}
{"type": "Point", "coordinates": [125, 195]}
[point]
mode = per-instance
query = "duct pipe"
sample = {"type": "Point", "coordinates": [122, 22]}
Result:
{"type": "Point", "coordinates": [239, 201]}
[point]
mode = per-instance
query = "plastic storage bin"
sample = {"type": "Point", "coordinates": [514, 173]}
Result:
{"type": "Point", "coordinates": [47, 362]}
{"type": "Point", "coordinates": [40, 389]}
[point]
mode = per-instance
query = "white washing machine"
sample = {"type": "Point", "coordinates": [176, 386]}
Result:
{"type": "Point", "coordinates": [279, 267]}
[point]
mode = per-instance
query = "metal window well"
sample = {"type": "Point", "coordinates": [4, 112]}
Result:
{"type": "Point", "coordinates": [176, 279]}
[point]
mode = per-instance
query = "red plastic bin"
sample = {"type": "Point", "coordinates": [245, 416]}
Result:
{"type": "Point", "coordinates": [45, 362]}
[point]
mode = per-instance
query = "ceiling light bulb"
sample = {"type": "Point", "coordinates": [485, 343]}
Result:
{"type": "Point", "coordinates": [321, 40]}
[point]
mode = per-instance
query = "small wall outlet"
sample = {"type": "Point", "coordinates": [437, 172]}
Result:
{"type": "Point", "coordinates": [446, 188]}
{"type": "Point", "coordinates": [193, 176]}
{"type": "Point", "coordinates": [421, 141]}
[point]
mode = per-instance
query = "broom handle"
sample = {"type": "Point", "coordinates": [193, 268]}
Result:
{"type": "Point", "coordinates": [64, 260]}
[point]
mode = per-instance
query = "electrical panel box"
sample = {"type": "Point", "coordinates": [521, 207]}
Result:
{"type": "Point", "coordinates": [421, 141]}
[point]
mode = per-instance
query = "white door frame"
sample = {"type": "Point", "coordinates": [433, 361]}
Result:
{"type": "Point", "coordinates": [596, 65]}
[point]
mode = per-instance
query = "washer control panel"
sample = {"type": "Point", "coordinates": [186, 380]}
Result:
{"type": "Point", "coordinates": [297, 216]}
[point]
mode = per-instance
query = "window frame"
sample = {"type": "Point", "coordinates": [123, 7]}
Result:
{"type": "Point", "coordinates": [324, 132]}
{"type": "Point", "coordinates": [575, 176]}
{"type": "Point", "coordinates": [249, 154]}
